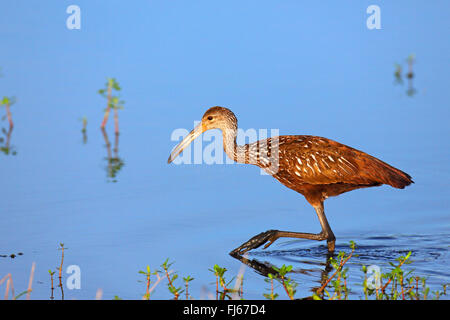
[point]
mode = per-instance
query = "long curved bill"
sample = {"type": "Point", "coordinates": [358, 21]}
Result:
{"type": "Point", "coordinates": [185, 142]}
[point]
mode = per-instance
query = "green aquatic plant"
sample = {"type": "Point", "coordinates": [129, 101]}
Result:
{"type": "Point", "coordinates": [411, 59]}
{"type": "Point", "coordinates": [409, 74]}
{"type": "Point", "coordinates": [221, 282]}
{"type": "Point", "coordinates": [147, 274]}
{"type": "Point", "coordinates": [51, 281]}
{"type": "Point", "coordinates": [186, 285]}
{"type": "Point", "coordinates": [340, 277]}
{"type": "Point", "coordinates": [176, 291]}
{"type": "Point", "coordinates": [113, 102]}
{"type": "Point", "coordinates": [117, 105]}
{"type": "Point", "coordinates": [396, 284]}
{"type": "Point", "coordinates": [84, 121]}
{"type": "Point", "coordinates": [62, 248]}
{"type": "Point", "coordinates": [398, 74]}
{"type": "Point", "coordinates": [114, 162]}
{"type": "Point", "coordinates": [7, 148]}
{"type": "Point", "coordinates": [272, 295]}
{"type": "Point", "coordinates": [8, 102]}
{"type": "Point", "coordinates": [115, 165]}
{"type": "Point", "coordinates": [399, 284]}
{"type": "Point", "coordinates": [288, 284]}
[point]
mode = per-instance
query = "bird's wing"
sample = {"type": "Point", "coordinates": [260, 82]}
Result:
{"type": "Point", "coordinates": [296, 160]}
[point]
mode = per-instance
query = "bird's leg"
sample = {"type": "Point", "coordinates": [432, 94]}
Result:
{"type": "Point", "coordinates": [271, 236]}
{"type": "Point", "coordinates": [326, 230]}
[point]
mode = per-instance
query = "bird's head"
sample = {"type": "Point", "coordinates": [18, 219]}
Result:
{"type": "Point", "coordinates": [214, 118]}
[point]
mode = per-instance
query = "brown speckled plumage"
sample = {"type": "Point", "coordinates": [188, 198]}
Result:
{"type": "Point", "coordinates": [316, 167]}
{"type": "Point", "coordinates": [320, 168]}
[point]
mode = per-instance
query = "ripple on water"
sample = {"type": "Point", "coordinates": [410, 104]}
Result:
{"type": "Point", "coordinates": [429, 256]}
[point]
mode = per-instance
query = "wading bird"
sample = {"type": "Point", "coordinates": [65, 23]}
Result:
{"type": "Point", "coordinates": [316, 167]}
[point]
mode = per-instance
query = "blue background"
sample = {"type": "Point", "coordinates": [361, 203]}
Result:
{"type": "Point", "coordinates": [302, 67]}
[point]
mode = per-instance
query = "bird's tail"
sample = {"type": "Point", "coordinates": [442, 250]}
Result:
{"type": "Point", "coordinates": [392, 176]}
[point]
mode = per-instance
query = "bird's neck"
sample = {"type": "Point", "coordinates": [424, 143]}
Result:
{"type": "Point", "coordinates": [229, 142]}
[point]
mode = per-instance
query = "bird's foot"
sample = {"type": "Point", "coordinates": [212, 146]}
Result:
{"type": "Point", "coordinates": [268, 236]}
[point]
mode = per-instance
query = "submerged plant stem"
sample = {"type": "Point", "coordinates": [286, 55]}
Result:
{"type": "Point", "coordinates": [108, 107]}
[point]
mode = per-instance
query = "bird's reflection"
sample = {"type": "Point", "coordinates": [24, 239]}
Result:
{"type": "Point", "coordinates": [5, 142]}
{"type": "Point", "coordinates": [264, 268]}
{"type": "Point", "coordinates": [114, 162]}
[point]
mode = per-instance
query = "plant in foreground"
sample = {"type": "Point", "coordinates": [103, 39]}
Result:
{"type": "Point", "coordinates": [288, 284]}
{"type": "Point", "coordinates": [62, 248]}
{"type": "Point", "coordinates": [10, 285]}
{"type": "Point", "coordinates": [340, 283]}
{"type": "Point", "coordinates": [220, 281]}
{"type": "Point", "coordinates": [272, 296]}
{"type": "Point", "coordinates": [186, 284]}
{"type": "Point", "coordinates": [393, 285]}
{"type": "Point", "coordinates": [398, 284]}
{"type": "Point", "coordinates": [147, 274]}
{"type": "Point", "coordinates": [51, 279]}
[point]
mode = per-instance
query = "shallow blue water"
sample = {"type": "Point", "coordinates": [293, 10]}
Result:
{"type": "Point", "coordinates": [114, 229]}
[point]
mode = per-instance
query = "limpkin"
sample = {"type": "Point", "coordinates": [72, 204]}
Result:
{"type": "Point", "coordinates": [316, 167]}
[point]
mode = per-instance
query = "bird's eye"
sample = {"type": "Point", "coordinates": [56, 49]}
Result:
{"type": "Point", "coordinates": [210, 118]}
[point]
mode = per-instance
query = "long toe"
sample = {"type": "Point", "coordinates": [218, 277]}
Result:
{"type": "Point", "coordinates": [254, 242]}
